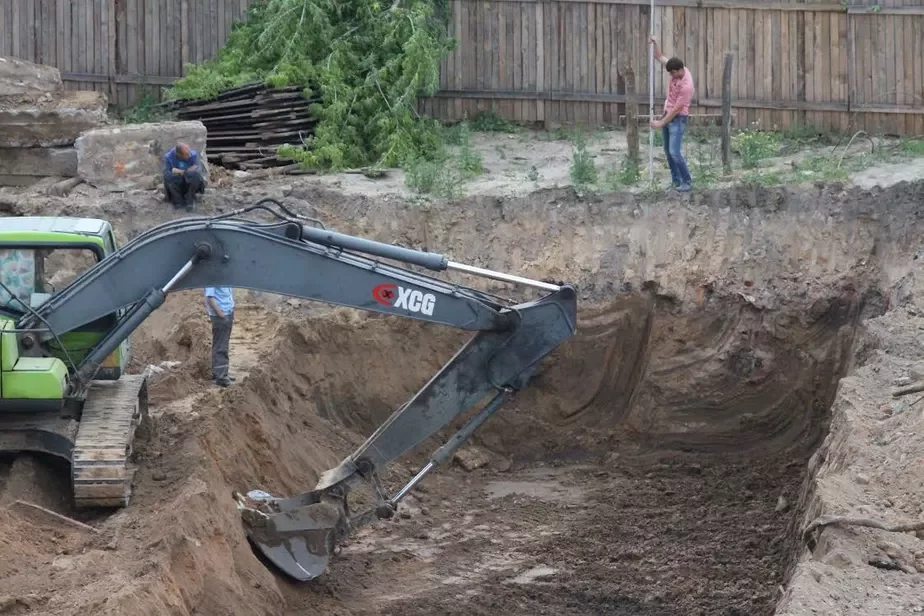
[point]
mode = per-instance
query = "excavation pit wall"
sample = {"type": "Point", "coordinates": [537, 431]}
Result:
{"type": "Point", "coordinates": [713, 334]}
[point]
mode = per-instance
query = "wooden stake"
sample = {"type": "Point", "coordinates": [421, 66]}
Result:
{"type": "Point", "coordinates": [631, 114]}
{"type": "Point", "coordinates": [726, 114]}
{"type": "Point", "coordinates": [828, 520]}
{"type": "Point", "coordinates": [651, 71]}
{"type": "Point", "coordinates": [910, 389]}
{"type": "Point", "coordinates": [32, 508]}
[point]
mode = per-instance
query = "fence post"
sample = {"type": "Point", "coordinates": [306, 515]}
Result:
{"type": "Point", "coordinates": [184, 36]}
{"type": "Point", "coordinates": [726, 114]}
{"type": "Point", "coordinates": [631, 114]}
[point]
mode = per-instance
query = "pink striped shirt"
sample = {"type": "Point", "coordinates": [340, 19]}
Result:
{"type": "Point", "coordinates": [680, 93]}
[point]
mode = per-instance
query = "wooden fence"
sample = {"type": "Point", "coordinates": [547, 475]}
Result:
{"type": "Point", "coordinates": [122, 47]}
{"type": "Point", "coordinates": [825, 64]}
{"type": "Point", "coordinates": [835, 66]}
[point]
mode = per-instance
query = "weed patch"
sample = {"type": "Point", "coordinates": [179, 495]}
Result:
{"type": "Point", "coordinates": [490, 122]}
{"type": "Point", "coordinates": [583, 170]}
{"type": "Point", "coordinates": [629, 173]}
{"type": "Point", "coordinates": [145, 110]}
{"type": "Point", "coordinates": [913, 147]}
{"type": "Point", "coordinates": [754, 146]}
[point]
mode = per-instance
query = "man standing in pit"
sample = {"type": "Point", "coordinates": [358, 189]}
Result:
{"type": "Point", "coordinates": [673, 123]}
{"type": "Point", "coordinates": [219, 302]}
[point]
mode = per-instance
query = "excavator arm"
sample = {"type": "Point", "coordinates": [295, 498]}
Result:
{"type": "Point", "coordinates": [292, 258]}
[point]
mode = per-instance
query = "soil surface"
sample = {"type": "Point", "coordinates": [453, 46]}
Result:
{"type": "Point", "coordinates": [625, 536]}
{"type": "Point", "coordinates": [521, 163]}
{"type": "Point", "coordinates": [660, 463]}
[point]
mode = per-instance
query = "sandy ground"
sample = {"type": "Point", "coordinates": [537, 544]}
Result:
{"type": "Point", "coordinates": [521, 163]}
{"type": "Point", "coordinates": [664, 462]}
{"type": "Point", "coordinates": [869, 469]}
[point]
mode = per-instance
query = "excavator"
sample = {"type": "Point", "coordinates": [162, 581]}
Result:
{"type": "Point", "coordinates": [70, 299]}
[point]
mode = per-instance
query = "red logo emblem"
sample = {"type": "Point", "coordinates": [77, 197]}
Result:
{"type": "Point", "coordinates": [385, 294]}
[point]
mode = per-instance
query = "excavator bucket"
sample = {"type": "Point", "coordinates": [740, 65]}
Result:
{"type": "Point", "coordinates": [298, 535]}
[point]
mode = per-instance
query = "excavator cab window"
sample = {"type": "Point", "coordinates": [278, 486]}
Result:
{"type": "Point", "coordinates": [18, 277]}
{"type": "Point", "coordinates": [31, 275]}
{"type": "Point", "coordinates": [60, 266]}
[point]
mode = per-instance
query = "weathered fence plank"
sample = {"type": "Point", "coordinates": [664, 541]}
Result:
{"type": "Point", "coordinates": [835, 65]}
{"type": "Point", "coordinates": [830, 65]}
{"type": "Point", "coordinates": [124, 48]}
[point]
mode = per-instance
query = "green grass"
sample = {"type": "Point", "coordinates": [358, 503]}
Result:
{"type": "Point", "coordinates": [765, 178]}
{"type": "Point", "coordinates": [490, 122]}
{"type": "Point", "coordinates": [754, 146]}
{"type": "Point", "coordinates": [583, 169]}
{"type": "Point", "coordinates": [819, 168]}
{"type": "Point", "coordinates": [628, 173]}
{"type": "Point", "coordinates": [445, 174]}
{"type": "Point", "coordinates": [143, 111]}
{"type": "Point", "coordinates": [913, 147]}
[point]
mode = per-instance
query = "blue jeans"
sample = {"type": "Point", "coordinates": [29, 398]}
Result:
{"type": "Point", "coordinates": [672, 133]}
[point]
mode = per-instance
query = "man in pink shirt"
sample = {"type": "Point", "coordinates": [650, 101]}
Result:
{"type": "Point", "coordinates": [673, 123]}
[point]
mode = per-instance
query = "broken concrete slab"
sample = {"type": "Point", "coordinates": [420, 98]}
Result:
{"type": "Point", "coordinates": [17, 180]}
{"type": "Point", "coordinates": [39, 162]}
{"type": "Point", "coordinates": [49, 120]}
{"type": "Point", "coordinates": [22, 78]}
{"type": "Point", "coordinates": [131, 157]}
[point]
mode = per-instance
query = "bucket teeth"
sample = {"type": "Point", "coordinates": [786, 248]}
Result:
{"type": "Point", "coordinates": [297, 535]}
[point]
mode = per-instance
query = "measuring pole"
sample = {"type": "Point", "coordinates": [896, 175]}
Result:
{"type": "Point", "coordinates": [651, 61]}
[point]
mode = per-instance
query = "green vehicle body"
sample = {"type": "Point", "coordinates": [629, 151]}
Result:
{"type": "Point", "coordinates": [41, 373]}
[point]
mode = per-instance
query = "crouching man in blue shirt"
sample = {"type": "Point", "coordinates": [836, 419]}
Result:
{"type": "Point", "coordinates": [219, 302]}
{"type": "Point", "coordinates": [182, 177]}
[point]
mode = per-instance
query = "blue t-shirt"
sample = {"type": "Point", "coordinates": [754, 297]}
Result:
{"type": "Point", "coordinates": [172, 161]}
{"type": "Point", "coordinates": [223, 297]}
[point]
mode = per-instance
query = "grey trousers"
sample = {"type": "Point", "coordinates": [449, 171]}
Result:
{"type": "Point", "coordinates": [181, 189]}
{"type": "Point", "coordinates": [221, 340]}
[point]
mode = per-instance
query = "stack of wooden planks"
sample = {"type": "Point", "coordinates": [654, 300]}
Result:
{"type": "Point", "coordinates": [246, 124]}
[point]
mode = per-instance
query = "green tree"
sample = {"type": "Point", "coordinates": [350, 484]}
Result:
{"type": "Point", "coordinates": [366, 64]}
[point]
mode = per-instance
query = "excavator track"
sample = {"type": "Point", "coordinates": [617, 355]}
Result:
{"type": "Point", "coordinates": [112, 412]}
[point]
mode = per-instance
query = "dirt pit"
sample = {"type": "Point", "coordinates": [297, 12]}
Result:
{"type": "Point", "coordinates": [658, 464]}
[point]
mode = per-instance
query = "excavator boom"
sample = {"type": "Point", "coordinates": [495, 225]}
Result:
{"type": "Point", "coordinates": [293, 258]}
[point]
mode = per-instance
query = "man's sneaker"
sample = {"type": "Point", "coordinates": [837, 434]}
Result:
{"type": "Point", "coordinates": [684, 187]}
{"type": "Point", "coordinates": [222, 382]}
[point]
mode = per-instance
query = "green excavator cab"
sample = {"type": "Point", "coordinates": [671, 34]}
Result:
{"type": "Point", "coordinates": [40, 256]}
{"type": "Point", "coordinates": [39, 412]}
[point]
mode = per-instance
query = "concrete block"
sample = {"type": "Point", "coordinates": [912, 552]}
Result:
{"type": "Point", "coordinates": [131, 157]}
{"type": "Point", "coordinates": [50, 120]}
{"type": "Point", "coordinates": [41, 162]}
{"type": "Point", "coordinates": [21, 78]}
{"type": "Point", "coordinates": [18, 181]}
